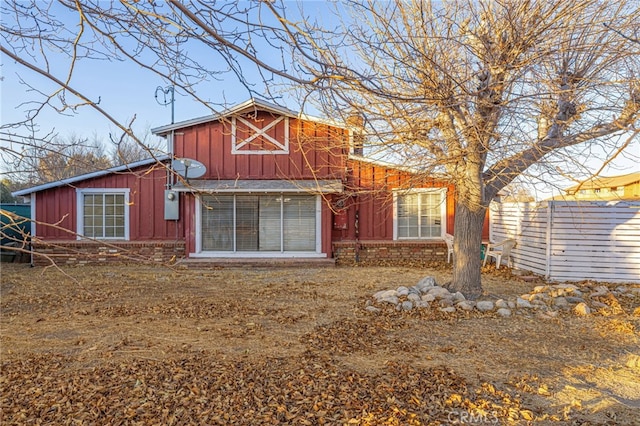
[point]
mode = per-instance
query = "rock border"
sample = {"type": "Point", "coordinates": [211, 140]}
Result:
{"type": "Point", "coordinates": [545, 301]}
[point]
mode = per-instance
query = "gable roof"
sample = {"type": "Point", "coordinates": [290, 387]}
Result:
{"type": "Point", "coordinates": [607, 182]}
{"type": "Point", "coordinates": [91, 175]}
{"type": "Point", "coordinates": [250, 105]}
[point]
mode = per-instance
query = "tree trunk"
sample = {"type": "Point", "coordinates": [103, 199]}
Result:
{"type": "Point", "coordinates": [466, 250]}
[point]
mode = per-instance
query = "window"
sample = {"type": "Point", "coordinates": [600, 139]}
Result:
{"type": "Point", "coordinates": [420, 214]}
{"type": "Point", "coordinates": [274, 223]}
{"type": "Point", "coordinates": [103, 213]}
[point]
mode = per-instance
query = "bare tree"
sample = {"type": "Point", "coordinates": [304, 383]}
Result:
{"type": "Point", "coordinates": [479, 90]}
{"type": "Point", "coordinates": [126, 150]}
{"type": "Point", "coordinates": [51, 40]}
{"type": "Point", "coordinates": [51, 159]}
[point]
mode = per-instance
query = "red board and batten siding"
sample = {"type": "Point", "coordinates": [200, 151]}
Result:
{"type": "Point", "coordinates": [146, 210]}
{"type": "Point", "coordinates": [372, 185]}
{"type": "Point", "coordinates": [316, 150]}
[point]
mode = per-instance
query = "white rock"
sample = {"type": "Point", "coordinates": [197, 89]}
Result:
{"type": "Point", "coordinates": [448, 309]}
{"type": "Point", "coordinates": [426, 283]}
{"type": "Point", "coordinates": [504, 312]}
{"type": "Point", "coordinates": [402, 291]}
{"type": "Point", "coordinates": [522, 303]}
{"type": "Point", "coordinates": [372, 309]}
{"type": "Point", "coordinates": [414, 290]}
{"type": "Point", "coordinates": [439, 292]}
{"type": "Point", "coordinates": [407, 305]}
{"type": "Point", "coordinates": [383, 294]}
{"type": "Point", "coordinates": [512, 304]}
{"type": "Point", "coordinates": [458, 297]}
{"type": "Point", "coordinates": [485, 305]}
{"type": "Point", "coordinates": [622, 289]}
{"type": "Point", "coordinates": [428, 297]}
{"type": "Point", "coordinates": [413, 297]}
{"type": "Point", "coordinates": [422, 304]}
{"type": "Point", "coordinates": [465, 305]}
{"type": "Point", "coordinates": [501, 303]}
{"type": "Point", "coordinates": [390, 299]}
{"type": "Point", "coordinates": [582, 309]}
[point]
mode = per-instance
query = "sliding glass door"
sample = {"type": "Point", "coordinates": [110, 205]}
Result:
{"type": "Point", "coordinates": [258, 223]}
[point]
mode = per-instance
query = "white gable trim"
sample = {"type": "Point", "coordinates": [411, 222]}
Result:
{"type": "Point", "coordinates": [237, 144]}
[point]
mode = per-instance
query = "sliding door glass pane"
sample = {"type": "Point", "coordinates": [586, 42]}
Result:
{"type": "Point", "coordinates": [247, 208]}
{"type": "Point", "coordinates": [217, 223]}
{"type": "Point", "coordinates": [270, 223]}
{"type": "Point", "coordinates": [299, 223]}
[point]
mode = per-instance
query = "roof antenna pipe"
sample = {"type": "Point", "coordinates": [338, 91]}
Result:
{"type": "Point", "coordinates": [166, 91]}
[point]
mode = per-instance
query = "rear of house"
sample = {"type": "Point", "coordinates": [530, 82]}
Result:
{"type": "Point", "coordinates": [265, 182]}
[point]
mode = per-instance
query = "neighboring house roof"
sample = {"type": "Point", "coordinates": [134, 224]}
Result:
{"type": "Point", "coordinates": [251, 104]}
{"type": "Point", "coordinates": [606, 182]}
{"type": "Point", "coordinates": [85, 176]}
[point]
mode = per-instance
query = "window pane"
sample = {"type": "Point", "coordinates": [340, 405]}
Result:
{"type": "Point", "coordinates": [247, 208]}
{"type": "Point", "coordinates": [217, 223]}
{"type": "Point", "coordinates": [104, 215]}
{"type": "Point", "coordinates": [299, 223]}
{"type": "Point", "coordinates": [270, 224]}
{"type": "Point", "coordinates": [408, 216]}
{"type": "Point", "coordinates": [419, 215]}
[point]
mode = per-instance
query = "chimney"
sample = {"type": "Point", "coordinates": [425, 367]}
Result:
{"type": "Point", "coordinates": [356, 127]}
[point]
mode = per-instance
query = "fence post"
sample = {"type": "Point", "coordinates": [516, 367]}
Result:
{"type": "Point", "coordinates": [549, 239]}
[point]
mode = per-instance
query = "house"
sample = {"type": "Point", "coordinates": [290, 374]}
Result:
{"type": "Point", "coordinates": [600, 188]}
{"type": "Point", "coordinates": [255, 181]}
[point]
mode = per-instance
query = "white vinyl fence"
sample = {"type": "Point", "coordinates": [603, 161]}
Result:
{"type": "Point", "coordinates": [572, 240]}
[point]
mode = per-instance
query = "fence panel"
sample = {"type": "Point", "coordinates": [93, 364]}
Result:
{"type": "Point", "coordinates": [573, 241]}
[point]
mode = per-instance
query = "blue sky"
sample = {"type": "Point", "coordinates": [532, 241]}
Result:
{"type": "Point", "coordinates": [125, 90]}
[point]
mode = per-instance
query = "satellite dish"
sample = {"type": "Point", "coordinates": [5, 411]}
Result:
{"type": "Point", "coordinates": [189, 168]}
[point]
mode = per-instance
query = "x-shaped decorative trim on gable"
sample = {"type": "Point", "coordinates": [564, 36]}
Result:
{"type": "Point", "coordinates": [281, 147]}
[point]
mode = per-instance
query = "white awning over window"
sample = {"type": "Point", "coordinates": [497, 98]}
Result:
{"type": "Point", "coordinates": [265, 186]}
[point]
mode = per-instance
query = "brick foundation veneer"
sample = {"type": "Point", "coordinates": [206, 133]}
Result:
{"type": "Point", "coordinates": [390, 253]}
{"type": "Point", "coordinates": [96, 253]}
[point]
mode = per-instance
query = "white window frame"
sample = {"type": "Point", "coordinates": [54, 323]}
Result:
{"type": "Point", "coordinates": [81, 192]}
{"type": "Point", "coordinates": [257, 254]}
{"type": "Point", "coordinates": [443, 211]}
{"type": "Point", "coordinates": [237, 144]}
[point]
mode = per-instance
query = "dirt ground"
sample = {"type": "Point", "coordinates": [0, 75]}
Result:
{"type": "Point", "coordinates": [143, 345]}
